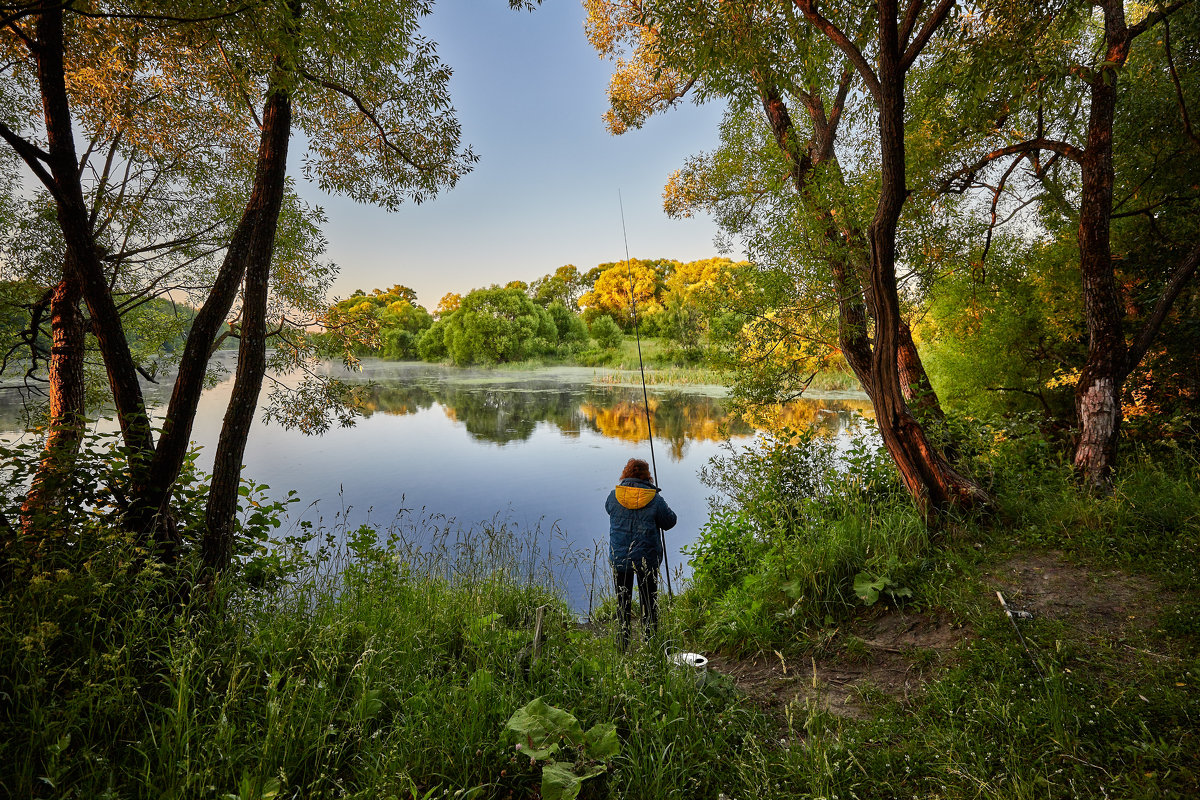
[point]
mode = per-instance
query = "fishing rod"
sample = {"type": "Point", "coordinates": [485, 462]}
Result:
{"type": "Point", "coordinates": [645, 397]}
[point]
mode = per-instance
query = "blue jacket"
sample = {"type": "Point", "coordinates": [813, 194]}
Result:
{"type": "Point", "coordinates": [636, 511]}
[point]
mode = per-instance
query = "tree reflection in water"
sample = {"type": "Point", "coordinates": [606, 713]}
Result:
{"type": "Point", "coordinates": [509, 412]}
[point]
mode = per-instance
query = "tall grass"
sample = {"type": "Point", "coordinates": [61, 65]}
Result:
{"type": "Point", "coordinates": [372, 665]}
{"type": "Point", "coordinates": [385, 662]}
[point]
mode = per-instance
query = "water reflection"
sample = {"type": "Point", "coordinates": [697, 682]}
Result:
{"type": "Point", "coordinates": [540, 447]}
{"type": "Point", "coordinates": [503, 411]}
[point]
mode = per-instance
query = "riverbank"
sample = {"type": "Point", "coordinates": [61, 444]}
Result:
{"type": "Point", "coordinates": [664, 366]}
{"type": "Point", "coordinates": [373, 670]}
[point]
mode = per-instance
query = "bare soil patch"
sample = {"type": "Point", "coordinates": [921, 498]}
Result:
{"type": "Point", "coordinates": [1106, 603]}
{"type": "Point", "coordinates": [891, 653]}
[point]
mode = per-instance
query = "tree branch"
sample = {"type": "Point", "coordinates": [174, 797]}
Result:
{"type": "Point", "coordinates": [1183, 112]}
{"type": "Point", "coordinates": [936, 18]}
{"type": "Point", "coordinates": [1040, 397]}
{"type": "Point", "coordinates": [366, 112]}
{"type": "Point", "coordinates": [961, 180]}
{"type": "Point", "coordinates": [1154, 17]}
{"type": "Point", "coordinates": [995, 201]}
{"type": "Point", "coordinates": [839, 101]}
{"type": "Point", "coordinates": [33, 156]}
{"type": "Point", "coordinates": [170, 245]}
{"type": "Point", "coordinates": [910, 21]}
{"type": "Point", "coordinates": [839, 38]}
{"type": "Point", "coordinates": [160, 17]}
{"type": "Point", "coordinates": [1178, 280]}
{"type": "Point", "coordinates": [241, 87]}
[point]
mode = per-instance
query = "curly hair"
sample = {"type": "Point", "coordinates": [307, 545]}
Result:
{"type": "Point", "coordinates": [636, 468]}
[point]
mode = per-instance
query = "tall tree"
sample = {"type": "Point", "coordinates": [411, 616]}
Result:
{"type": "Point", "coordinates": [776, 50]}
{"type": "Point", "coordinates": [1112, 353]}
{"type": "Point", "coordinates": [621, 286]}
{"type": "Point", "coordinates": [381, 135]}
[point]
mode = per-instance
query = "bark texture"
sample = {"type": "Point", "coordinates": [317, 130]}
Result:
{"type": "Point", "coordinates": [221, 510]}
{"type": "Point", "coordinates": [1109, 359]}
{"type": "Point", "coordinates": [82, 254]}
{"type": "Point", "coordinates": [67, 411]}
{"type": "Point", "coordinates": [1098, 392]}
{"type": "Point", "coordinates": [889, 366]}
{"type": "Point", "coordinates": [926, 473]}
{"type": "Point", "coordinates": [152, 496]}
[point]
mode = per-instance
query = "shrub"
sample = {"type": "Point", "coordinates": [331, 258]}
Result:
{"type": "Point", "coordinates": [432, 345]}
{"type": "Point", "coordinates": [572, 332]}
{"type": "Point", "coordinates": [497, 325]}
{"type": "Point", "coordinates": [606, 332]}
{"type": "Point", "coordinates": [796, 520]}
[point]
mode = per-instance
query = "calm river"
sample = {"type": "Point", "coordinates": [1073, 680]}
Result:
{"type": "Point", "coordinates": [536, 449]}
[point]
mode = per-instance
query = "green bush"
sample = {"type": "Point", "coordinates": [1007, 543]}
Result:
{"type": "Point", "coordinates": [572, 332]}
{"type": "Point", "coordinates": [498, 325]}
{"type": "Point", "coordinates": [432, 344]}
{"type": "Point", "coordinates": [329, 665]}
{"type": "Point", "coordinates": [795, 522]}
{"type": "Point", "coordinates": [606, 332]}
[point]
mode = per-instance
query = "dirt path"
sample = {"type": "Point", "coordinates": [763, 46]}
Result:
{"type": "Point", "coordinates": [890, 653]}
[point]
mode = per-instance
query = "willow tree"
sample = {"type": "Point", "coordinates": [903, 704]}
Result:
{"type": "Point", "coordinates": [784, 56]}
{"type": "Point", "coordinates": [626, 288]}
{"type": "Point", "coordinates": [358, 80]}
{"type": "Point", "coordinates": [162, 178]}
{"type": "Point", "coordinates": [1114, 70]}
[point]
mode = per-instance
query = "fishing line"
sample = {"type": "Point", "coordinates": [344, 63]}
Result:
{"type": "Point", "coordinates": [645, 397]}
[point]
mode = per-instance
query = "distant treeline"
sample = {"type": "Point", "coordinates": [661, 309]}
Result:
{"type": "Point", "coordinates": [568, 314]}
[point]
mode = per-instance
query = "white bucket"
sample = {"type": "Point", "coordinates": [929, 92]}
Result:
{"type": "Point", "coordinates": [694, 662]}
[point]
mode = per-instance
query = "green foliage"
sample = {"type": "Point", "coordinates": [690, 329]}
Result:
{"type": "Point", "coordinates": [794, 523]}
{"type": "Point", "coordinates": [541, 731]}
{"type": "Point", "coordinates": [327, 663]}
{"type": "Point", "coordinates": [606, 332]}
{"type": "Point", "coordinates": [497, 325]}
{"type": "Point", "coordinates": [97, 488]}
{"type": "Point", "coordinates": [16, 297]}
{"type": "Point", "coordinates": [337, 680]}
{"type": "Point", "coordinates": [572, 332]}
{"type": "Point", "coordinates": [563, 286]}
{"type": "Point", "coordinates": [868, 587]}
{"type": "Point", "coordinates": [386, 323]}
{"type": "Point", "coordinates": [1005, 339]}
{"type": "Point", "coordinates": [432, 344]}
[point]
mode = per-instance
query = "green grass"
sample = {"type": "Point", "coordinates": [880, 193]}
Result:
{"type": "Point", "coordinates": [375, 670]}
{"type": "Point", "coordinates": [1072, 711]}
{"type": "Point", "coordinates": [386, 664]}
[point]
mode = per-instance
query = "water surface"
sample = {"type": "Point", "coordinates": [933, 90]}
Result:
{"type": "Point", "coordinates": [531, 448]}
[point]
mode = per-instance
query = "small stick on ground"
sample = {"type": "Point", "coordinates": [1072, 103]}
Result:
{"type": "Point", "coordinates": [1013, 620]}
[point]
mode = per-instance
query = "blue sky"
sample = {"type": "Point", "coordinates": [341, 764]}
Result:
{"type": "Point", "coordinates": [530, 92]}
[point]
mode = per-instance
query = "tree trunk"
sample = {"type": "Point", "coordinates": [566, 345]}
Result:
{"type": "Point", "coordinates": [914, 381]}
{"type": "Point", "coordinates": [1098, 392]}
{"type": "Point", "coordinates": [929, 478]}
{"type": "Point", "coordinates": [82, 254]}
{"type": "Point", "coordinates": [853, 337]}
{"type": "Point", "coordinates": [220, 513]}
{"type": "Point", "coordinates": [153, 495]}
{"type": "Point", "coordinates": [43, 501]}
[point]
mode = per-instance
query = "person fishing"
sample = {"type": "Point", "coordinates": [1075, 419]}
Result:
{"type": "Point", "coordinates": [636, 515]}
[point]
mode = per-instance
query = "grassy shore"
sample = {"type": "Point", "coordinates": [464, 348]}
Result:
{"type": "Point", "coordinates": [357, 664]}
{"type": "Point", "coordinates": [664, 367]}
